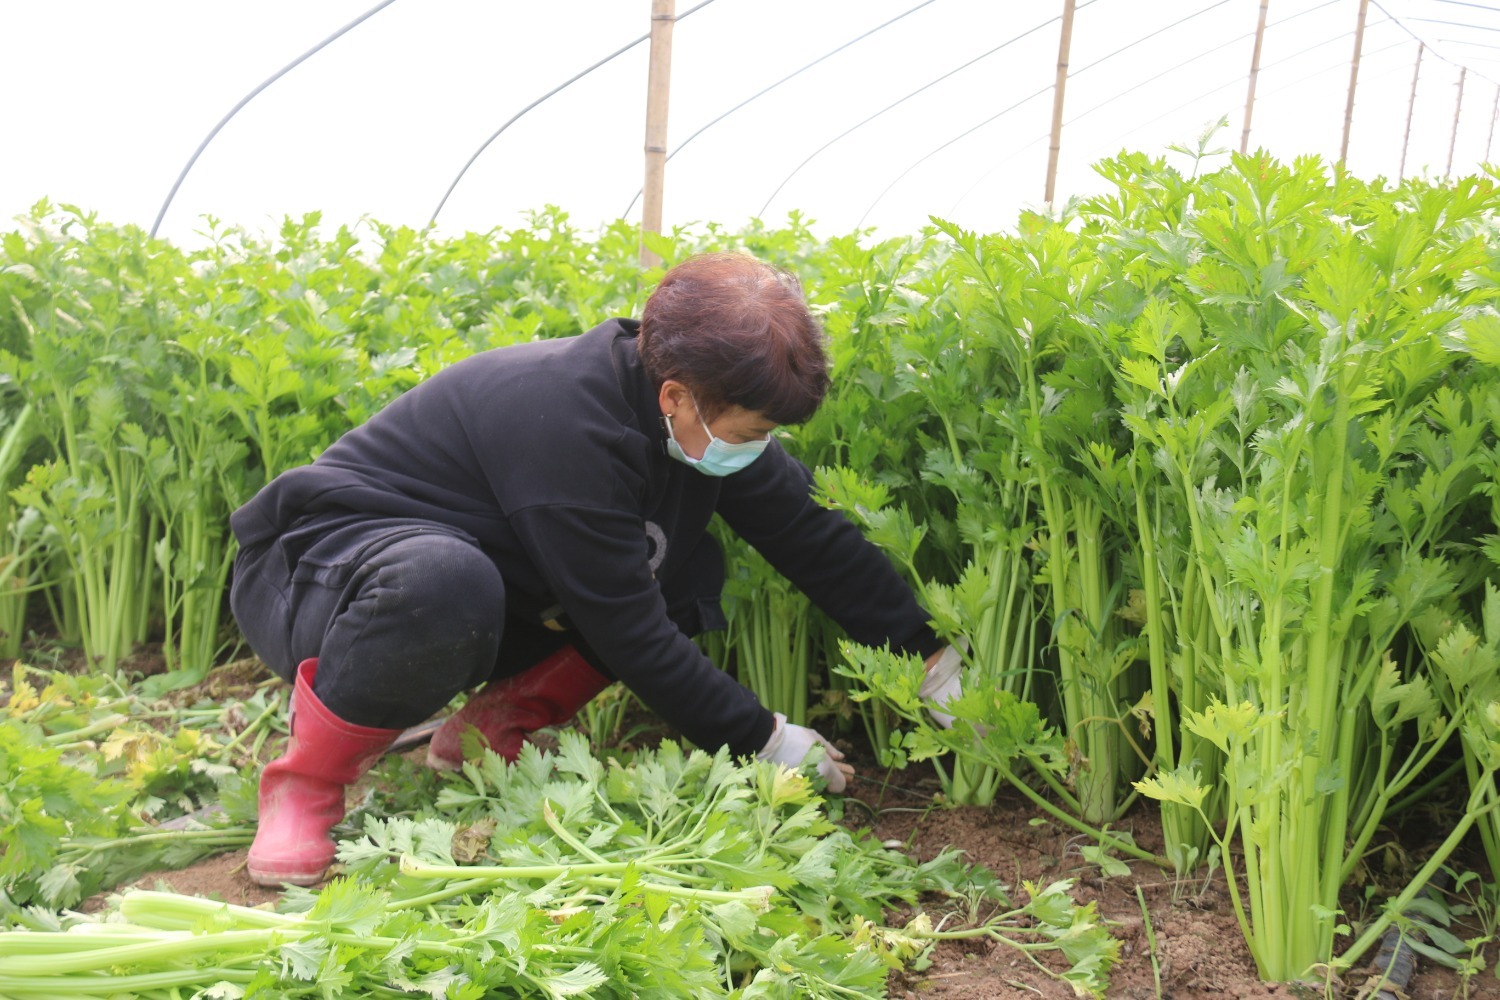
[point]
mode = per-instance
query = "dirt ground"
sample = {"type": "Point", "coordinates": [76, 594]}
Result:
{"type": "Point", "coordinates": [1199, 949]}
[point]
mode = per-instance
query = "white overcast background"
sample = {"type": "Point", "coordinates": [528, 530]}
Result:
{"type": "Point", "coordinates": [106, 101]}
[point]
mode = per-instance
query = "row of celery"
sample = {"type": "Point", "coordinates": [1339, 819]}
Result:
{"type": "Point", "coordinates": [1239, 431]}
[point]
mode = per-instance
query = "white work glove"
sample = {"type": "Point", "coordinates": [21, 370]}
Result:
{"type": "Point", "coordinates": [789, 744]}
{"type": "Point", "coordinates": [942, 684]}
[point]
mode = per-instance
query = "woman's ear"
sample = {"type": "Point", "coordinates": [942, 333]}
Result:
{"type": "Point", "coordinates": [672, 397]}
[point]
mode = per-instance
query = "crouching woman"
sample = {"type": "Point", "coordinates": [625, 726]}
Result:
{"type": "Point", "coordinates": [533, 521]}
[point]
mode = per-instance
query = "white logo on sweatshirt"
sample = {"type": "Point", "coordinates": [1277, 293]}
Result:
{"type": "Point", "coordinates": [658, 540]}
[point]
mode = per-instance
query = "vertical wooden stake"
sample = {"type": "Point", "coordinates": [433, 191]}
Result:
{"type": "Point", "coordinates": [1457, 110]}
{"type": "Point", "coordinates": [1063, 45]}
{"type": "Point", "coordinates": [1260, 34]}
{"type": "Point", "coordinates": [1494, 113]}
{"type": "Point", "coordinates": [1411, 106]}
{"type": "Point", "coordinates": [658, 87]}
{"type": "Point", "coordinates": [1359, 43]}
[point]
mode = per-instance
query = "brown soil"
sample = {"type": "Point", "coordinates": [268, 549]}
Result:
{"type": "Point", "coordinates": [1200, 951]}
{"type": "Point", "coordinates": [221, 877]}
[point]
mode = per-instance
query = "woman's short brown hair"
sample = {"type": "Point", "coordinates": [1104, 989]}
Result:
{"type": "Point", "coordinates": [737, 332]}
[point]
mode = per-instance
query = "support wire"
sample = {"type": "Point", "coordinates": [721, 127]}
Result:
{"type": "Point", "coordinates": [762, 93]}
{"type": "Point", "coordinates": [1186, 62]}
{"type": "Point", "coordinates": [1013, 107]}
{"type": "Point", "coordinates": [1279, 90]}
{"type": "Point", "coordinates": [886, 190]}
{"type": "Point", "coordinates": [551, 93]}
{"type": "Point", "coordinates": [1200, 55]}
{"type": "Point", "coordinates": [252, 95]}
{"type": "Point", "coordinates": [914, 93]}
{"type": "Point", "coordinates": [1425, 41]}
{"type": "Point", "coordinates": [1144, 38]}
{"type": "Point", "coordinates": [1209, 93]}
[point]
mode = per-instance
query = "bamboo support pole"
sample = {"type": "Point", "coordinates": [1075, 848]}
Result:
{"type": "Point", "coordinates": [1260, 34]}
{"type": "Point", "coordinates": [1458, 107]}
{"type": "Point", "coordinates": [1359, 42]}
{"type": "Point", "coordinates": [1411, 106]}
{"type": "Point", "coordinates": [658, 88]}
{"type": "Point", "coordinates": [1494, 113]}
{"type": "Point", "coordinates": [1065, 42]}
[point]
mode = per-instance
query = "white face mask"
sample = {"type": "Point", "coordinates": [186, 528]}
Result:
{"type": "Point", "coordinates": [720, 458]}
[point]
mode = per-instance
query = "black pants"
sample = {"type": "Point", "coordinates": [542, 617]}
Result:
{"type": "Point", "coordinates": [403, 615]}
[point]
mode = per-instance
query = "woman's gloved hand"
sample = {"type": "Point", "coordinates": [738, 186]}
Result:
{"type": "Point", "coordinates": [942, 683]}
{"type": "Point", "coordinates": [789, 744]}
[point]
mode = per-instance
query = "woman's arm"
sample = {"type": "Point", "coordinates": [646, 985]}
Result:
{"type": "Point", "coordinates": [770, 505]}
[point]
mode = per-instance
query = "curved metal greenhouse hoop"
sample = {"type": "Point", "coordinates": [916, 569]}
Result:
{"type": "Point", "coordinates": [681, 146]}
{"type": "Point", "coordinates": [551, 93]}
{"type": "Point", "coordinates": [252, 95]}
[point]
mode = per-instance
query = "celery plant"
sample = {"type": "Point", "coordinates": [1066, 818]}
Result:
{"type": "Point", "coordinates": [988, 611]}
{"type": "Point", "coordinates": [1328, 546]}
{"type": "Point", "coordinates": [1466, 651]}
{"type": "Point", "coordinates": [92, 342]}
{"type": "Point", "coordinates": [992, 729]}
{"type": "Point", "coordinates": [1023, 299]}
{"type": "Point", "coordinates": [1190, 419]}
{"type": "Point", "coordinates": [963, 539]}
{"type": "Point", "coordinates": [22, 544]}
{"type": "Point", "coordinates": [885, 312]}
{"type": "Point", "coordinates": [770, 633]}
{"type": "Point", "coordinates": [198, 479]}
{"type": "Point", "coordinates": [1467, 682]}
{"type": "Point", "coordinates": [1191, 429]}
{"type": "Point", "coordinates": [98, 514]}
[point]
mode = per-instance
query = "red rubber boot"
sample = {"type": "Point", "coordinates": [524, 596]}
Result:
{"type": "Point", "coordinates": [507, 711]}
{"type": "Point", "coordinates": [302, 792]}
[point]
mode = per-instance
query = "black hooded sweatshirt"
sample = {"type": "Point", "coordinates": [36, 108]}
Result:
{"type": "Point", "coordinates": [552, 456]}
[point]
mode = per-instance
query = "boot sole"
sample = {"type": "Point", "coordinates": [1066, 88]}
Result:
{"type": "Point", "coordinates": [272, 879]}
